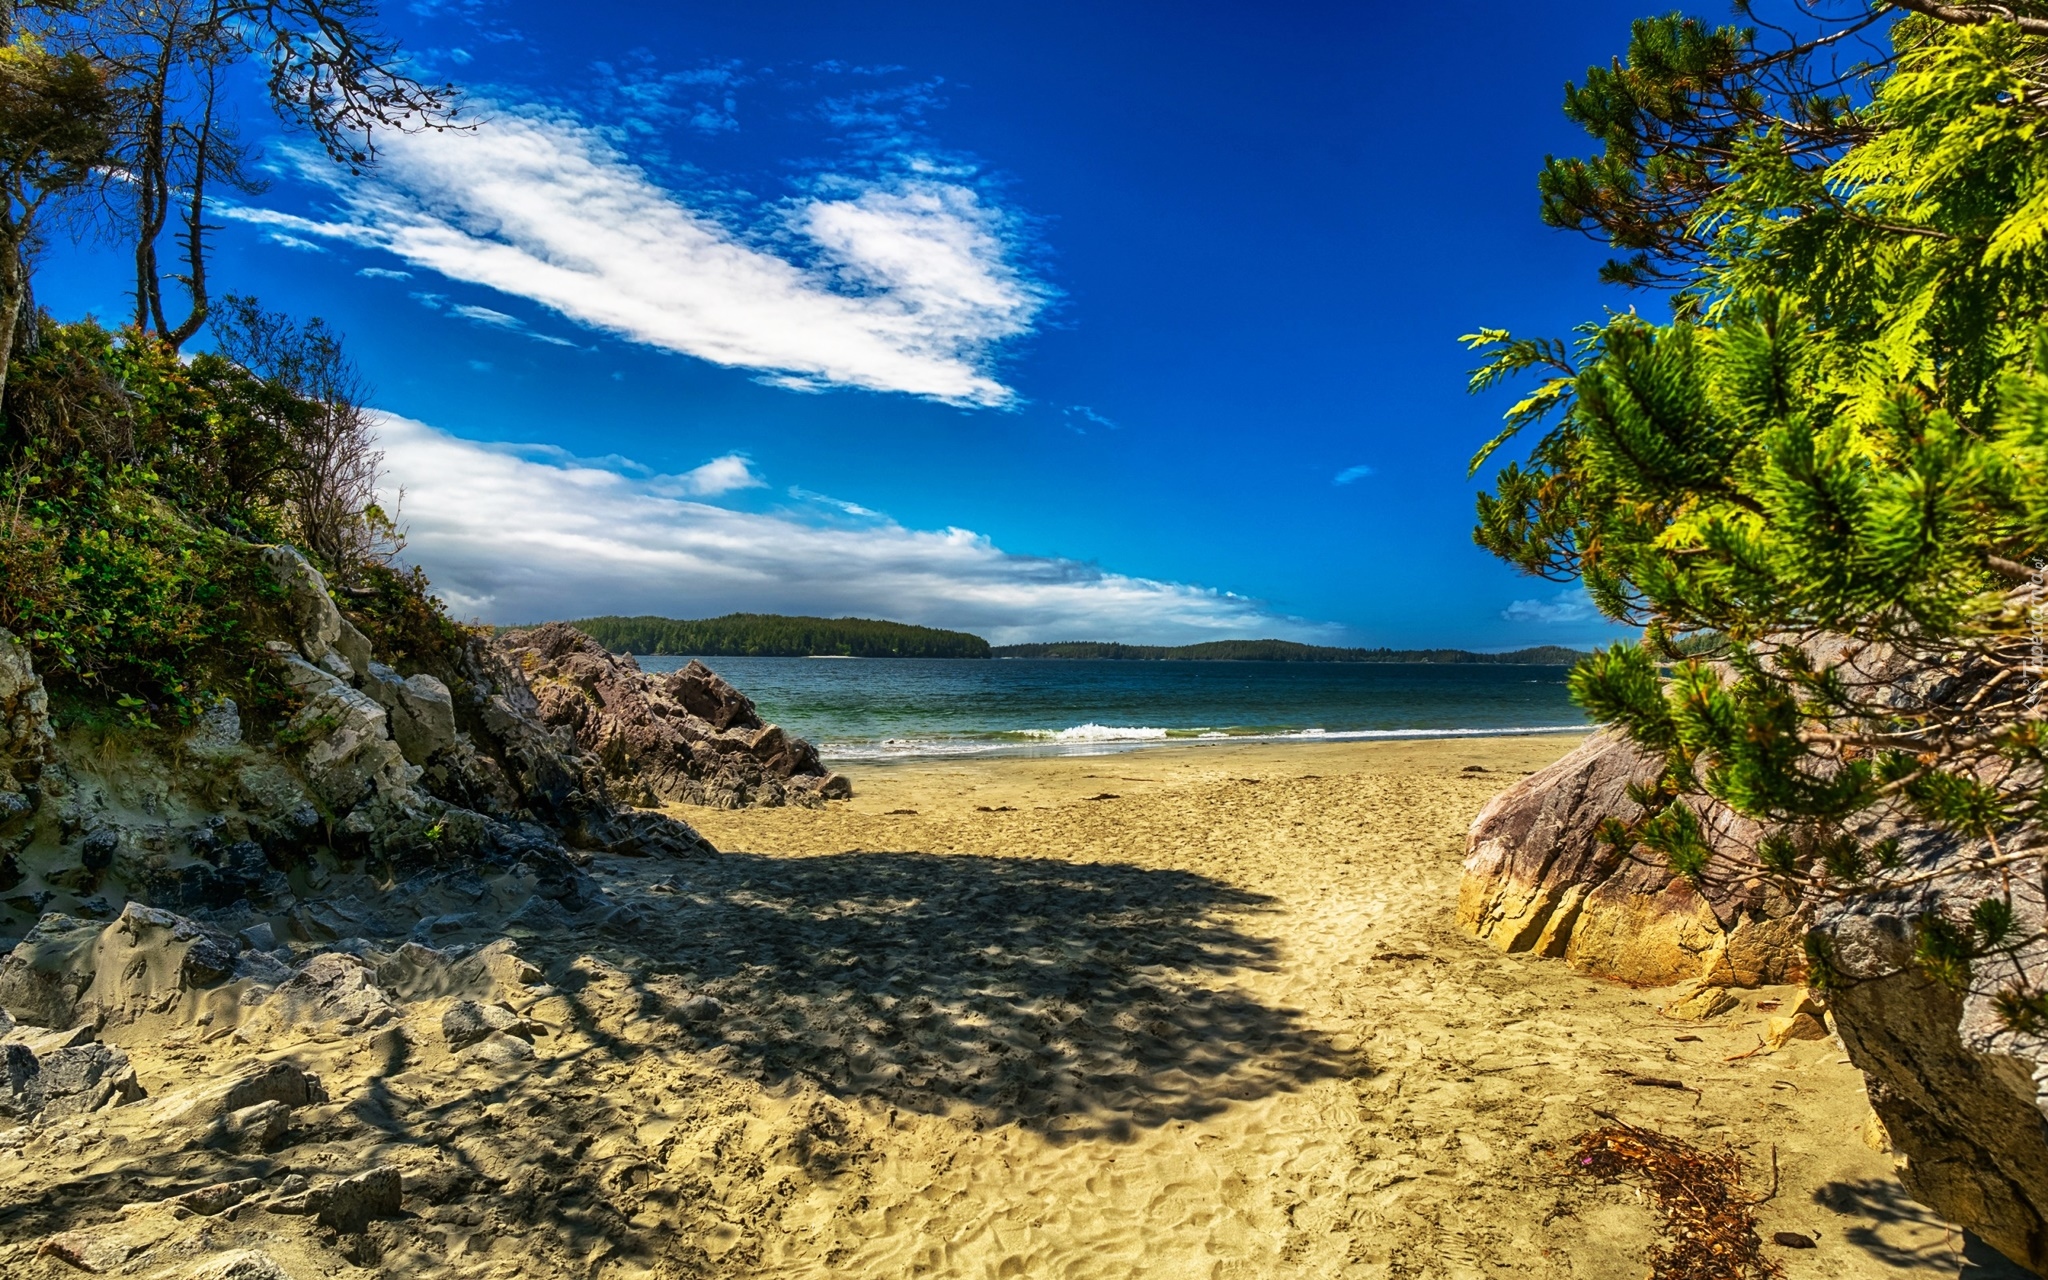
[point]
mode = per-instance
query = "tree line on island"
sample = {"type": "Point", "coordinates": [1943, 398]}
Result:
{"type": "Point", "coordinates": [769, 635]}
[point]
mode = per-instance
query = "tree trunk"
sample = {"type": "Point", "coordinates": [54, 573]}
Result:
{"type": "Point", "coordinates": [13, 291]}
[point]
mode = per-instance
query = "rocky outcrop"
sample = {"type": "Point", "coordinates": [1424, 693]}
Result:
{"type": "Point", "coordinates": [373, 772]}
{"type": "Point", "coordinates": [1538, 878]}
{"type": "Point", "coordinates": [421, 710]}
{"type": "Point", "coordinates": [687, 736]}
{"type": "Point", "coordinates": [26, 739]}
{"type": "Point", "coordinates": [1963, 1095]}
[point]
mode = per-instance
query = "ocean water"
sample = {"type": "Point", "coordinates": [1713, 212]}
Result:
{"type": "Point", "coordinates": [863, 709]}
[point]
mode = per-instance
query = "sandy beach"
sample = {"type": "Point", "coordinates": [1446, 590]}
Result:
{"type": "Point", "coordinates": [1204, 1012]}
{"type": "Point", "coordinates": [1177, 1012]}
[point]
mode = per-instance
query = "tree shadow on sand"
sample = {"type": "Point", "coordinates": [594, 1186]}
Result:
{"type": "Point", "coordinates": [1078, 999]}
{"type": "Point", "coordinates": [1887, 1202]}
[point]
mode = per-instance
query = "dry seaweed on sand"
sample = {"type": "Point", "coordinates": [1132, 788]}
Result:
{"type": "Point", "coordinates": [1709, 1230]}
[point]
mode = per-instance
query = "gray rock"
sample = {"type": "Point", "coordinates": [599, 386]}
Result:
{"type": "Point", "coordinates": [280, 1082]}
{"type": "Point", "coordinates": [354, 648]}
{"type": "Point", "coordinates": [254, 1128]}
{"type": "Point", "coordinates": [85, 1078]}
{"type": "Point", "coordinates": [700, 1009]}
{"type": "Point", "coordinates": [315, 622]}
{"type": "Point", "coordinates": [1963, 1097]}
{"type": "Point", "coordinates": [42, 979]}
{"type": "Point", "coordinates": [21, 1082]}
{"type": "Point", "coordinates": [218, 1198]}
{"type": "Point", "coordinates": [353, 1203]}
{"type": "Point", "coordinates": [420, 708]}
{"type": "Point", "coordinates": [259, 937]}
{"type": "Point", "coordinates": [27, 739]}
{"type": "Point", "coordinates": [97, 853]}
{"type": "Point", "coordinates": [349, 753]}
{"type": "Point", "coordinates": [219, 730]}
{"type": "Point", "coordinates": [502, 1050]}
{"type": "Point", "coordinates": [336, 987]}
{"type": "Point", "coordinates": [467, 1022]}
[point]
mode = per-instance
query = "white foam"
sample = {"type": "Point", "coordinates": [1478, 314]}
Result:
{"type": "Point", "coordinates": [1092, 739]}
{"type": "Point", "coordinates": [1092, 732]}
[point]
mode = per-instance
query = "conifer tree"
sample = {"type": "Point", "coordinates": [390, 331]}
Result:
{"type": "Point", "coordinates": [1821, 488]}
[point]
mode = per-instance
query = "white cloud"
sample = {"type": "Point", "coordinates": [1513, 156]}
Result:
{"type": "Point", "coordinates": [509, 537]}
{"type": "Point", "coordinates": [384, 273]}
{"type": "Point", "coordinates": [1349, 474]}
{"type": "Point", "coordinates": [1569, 606]}
{"type": "Point", "coordinates": [904, 284]}
{"type": "Point", "coordinates": [720, 475]}
{"type": "Point", "coordinates": [485, 315]}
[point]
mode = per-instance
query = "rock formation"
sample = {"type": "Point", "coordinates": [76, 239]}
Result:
{"type": "Point", "coordinates": [686, 737]}
{"type": "Point", "coordinates": [1538, 878]}
{"type": "Point", "coordinates": [373, 772]}
{"type": "Point", "coordinates": [1963, 1096]}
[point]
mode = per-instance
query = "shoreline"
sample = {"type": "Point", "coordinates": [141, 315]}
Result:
{"type": "Point", "coordinates": [1053, 746]}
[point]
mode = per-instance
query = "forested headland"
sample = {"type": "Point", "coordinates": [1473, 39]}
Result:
{"type": "Point", "coordinates": [769, 635]}
{"type": "Point", "coordinates": [1279, 651]}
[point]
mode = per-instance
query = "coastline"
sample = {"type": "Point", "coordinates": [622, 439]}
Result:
{"type": "Point", "coordinates": [1097, 740]}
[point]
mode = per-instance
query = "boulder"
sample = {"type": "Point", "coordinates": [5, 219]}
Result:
{"type": "Point", "coordinates": [354, 648]}
{"type": "Point", "coordinates": [468, 1022]}
{"type": "Point", "coordinates": [1538, 878]}
{"type": "Point", "coordinates": [1698, 1000]}
{"type": "Point", "coordinates": [351, 1204]}
{"type": "Point", "coordinates": [61, 1082]}
{"type": "Point", "coordinates": [308, 610]}
{"type": "Point", "coordinates": [27, 740]}
{"type": "Point", "coordinates": [420, 709]}
{"type": "Point", "coordinates": [345, 736]}
{"type": "Point", "coordinates": [333, 987]}
{"type": "Point", "coordinates": [218, 730]}
{"type": "Point", "coordinates": [1962, 1095]}
{"type": "Point", "coordinates": [219, 1197]}
{"type": "Point", "coordinates": [687, 736]}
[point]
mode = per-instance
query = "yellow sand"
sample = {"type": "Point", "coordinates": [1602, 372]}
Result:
{"type": "Point", "coordinates": [1178, 1012]}
{"type": "Point", "coordinates": [1359, 1090]}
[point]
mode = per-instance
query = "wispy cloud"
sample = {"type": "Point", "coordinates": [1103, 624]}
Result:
{"type": "Point", "coordinates": [384, 273]}
{"type": "Point", "coordinates": [510, 537]}
{"type": "Point", "coordinates": [489, 317]}
{"type": "Point", "coordinates": [634, 96]}
{"type": "Point", "coordinates": [902, 283]}
{"type": "Point", "coordinates": [728, 474]}
{"type": "Point", "coordinates": [1078, 414]}
{"type": "Point", "coordinates": [285, 240]}
{"type": "Point", "coordinates": [1568, 606]}
{"type": "Point", "coordinates": [1350, 474]}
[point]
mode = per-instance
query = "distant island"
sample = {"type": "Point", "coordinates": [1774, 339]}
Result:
{"type": "Point", "coordinates": [772, 635]}
{"type": "Point", "coordinates": [1279, 651]}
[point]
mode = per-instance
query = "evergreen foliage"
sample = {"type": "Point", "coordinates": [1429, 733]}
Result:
{"type": "Point", "coordinates": [1278, 651]}
{"type": "Point", "coordinates": [1833, 458]}
{"type": "Point", "coordinates": [136, 490]}
{"type": "Point", "coordinates": [768, 635]}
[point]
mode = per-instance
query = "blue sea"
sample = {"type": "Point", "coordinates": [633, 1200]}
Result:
{"type": "Point", "coordinates": [866, 709]}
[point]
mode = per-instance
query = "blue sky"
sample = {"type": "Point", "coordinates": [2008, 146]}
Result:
{"type": "Point", "coordinates": [1049, 321]}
